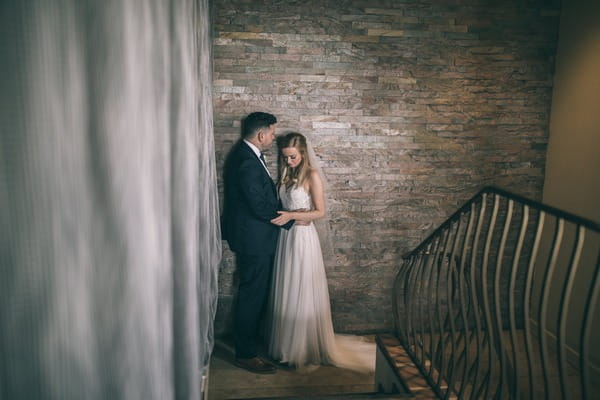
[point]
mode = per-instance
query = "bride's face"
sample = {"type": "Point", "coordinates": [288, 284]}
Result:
{"type": "Point", "coordinates": [291, 156]}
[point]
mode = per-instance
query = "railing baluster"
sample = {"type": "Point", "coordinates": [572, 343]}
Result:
{"type": "Point", "coordinates": [464, 311]}
{"type": "Point", "coordinates": [564, 309]}
{"type": "Point", "coordinates": [409, 299]}
{"type": "Point", "coordinates": [450, 313]}
{"type": "Point", "coordinates": [486, 301]}
{"type": "Point", "coordinates": [543, 309]}
{"type": "Point", "coordinates": [414, 301]}
{"type": "Point", "coordinates": [589, 314]}
{"type": "Point", "coordinates": [474, 297]}
{"type": "Point", "coordinates": [439, 354]}
{"type": "Point", "coordinates": [499, 324]}
{"type": "Point", "coordinates": [527, 301]}
{"type": "Point", "coordinates": [409, 296]}
{"type": "Point", "coordinates": [430, 304]}
{"type": "Point", "coordinates": [412, 298]}
{"type": "Point", "coordinates": [401, 281]}
{"type": "Point", "coordinates": [516, 390]}
{"type": "Point", "coordinates": [406, 301]}
{"type": "Point", "coordinates": [421, 297]}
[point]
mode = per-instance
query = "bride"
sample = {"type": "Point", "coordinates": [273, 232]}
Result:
{"type": "Point", "coordinates": [301, 329]}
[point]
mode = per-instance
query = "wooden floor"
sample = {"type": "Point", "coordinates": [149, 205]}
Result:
{"type": "Point", "coordinates": [226, 381]}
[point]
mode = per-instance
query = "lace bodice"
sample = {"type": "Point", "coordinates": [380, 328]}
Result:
{"type": "Point", "coordinates": [295, 198]}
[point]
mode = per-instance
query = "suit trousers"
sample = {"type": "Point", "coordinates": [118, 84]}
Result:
{"type": "Point", "coordinates": [254, 286]}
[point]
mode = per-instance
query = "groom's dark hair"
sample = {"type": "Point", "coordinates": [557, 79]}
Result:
{"type": "Point", "coordinates": [255, 122]}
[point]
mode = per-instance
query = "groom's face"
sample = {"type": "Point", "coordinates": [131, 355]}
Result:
{"type": "Point", "coordinates": [266, 136]}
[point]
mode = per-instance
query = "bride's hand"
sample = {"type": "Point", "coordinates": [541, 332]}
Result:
{"type": "Point", "coordinates": [299, 222]}
{"type": "Point", "coordinates": [284, 218]}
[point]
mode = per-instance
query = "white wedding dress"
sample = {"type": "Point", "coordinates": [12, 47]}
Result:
{"type": "Point", "coordinates": [301, 330]}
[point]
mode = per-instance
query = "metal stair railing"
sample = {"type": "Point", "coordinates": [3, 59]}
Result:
{"type": "Point", "coordinates": [501, 301]}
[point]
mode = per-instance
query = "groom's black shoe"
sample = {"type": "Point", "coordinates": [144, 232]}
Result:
{"type": "Point", "coordinates": [255, 365]}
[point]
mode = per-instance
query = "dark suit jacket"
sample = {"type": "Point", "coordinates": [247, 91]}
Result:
{"type": "Point", "coordinates": [250, 202]}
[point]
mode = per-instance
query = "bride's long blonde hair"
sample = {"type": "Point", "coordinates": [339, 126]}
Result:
{"type": "Point", "coordinates": [297, 176]}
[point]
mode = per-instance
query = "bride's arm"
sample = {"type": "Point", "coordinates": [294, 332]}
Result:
{"type": "Point", "coordinates": [315, 188]}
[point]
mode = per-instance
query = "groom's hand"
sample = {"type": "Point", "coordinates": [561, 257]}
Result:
{"type": "Point", "coordinates": [283, 218]}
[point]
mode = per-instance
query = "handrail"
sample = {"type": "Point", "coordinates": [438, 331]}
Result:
{"type": "Point", "coordinates": [587, 223]}
{"type": "Point", "coordinates": [482, 305]}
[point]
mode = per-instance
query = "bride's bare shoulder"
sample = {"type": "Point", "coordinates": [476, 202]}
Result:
{"type": "Point", "coordinates": [314, 174]}
{"type": "Point", "coordinates": [314, 179]}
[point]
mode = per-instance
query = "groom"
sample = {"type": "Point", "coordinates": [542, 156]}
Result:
{"type": "Point", "coordinates": [250, 203]}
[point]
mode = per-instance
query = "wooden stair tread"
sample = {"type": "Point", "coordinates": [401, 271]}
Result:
{"type": "Point", "coordinates": [405, 368]}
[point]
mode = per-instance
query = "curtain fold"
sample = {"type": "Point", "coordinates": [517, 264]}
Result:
{"type": "Point", "coordinates": [109, 238]}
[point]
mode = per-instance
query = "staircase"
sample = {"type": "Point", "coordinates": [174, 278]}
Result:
{"type": "Point", "coordinates": [501, 302]}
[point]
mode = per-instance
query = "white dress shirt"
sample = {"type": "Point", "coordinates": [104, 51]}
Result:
{"type": "Point", "coordinates": [258, 153]}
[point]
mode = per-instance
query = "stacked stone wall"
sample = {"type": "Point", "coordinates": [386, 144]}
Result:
{"type": "Point", "coordinates": [412, 106]}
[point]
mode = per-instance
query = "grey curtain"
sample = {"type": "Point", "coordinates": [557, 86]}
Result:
{"type": "Point", "coordinates": [109, 234]}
